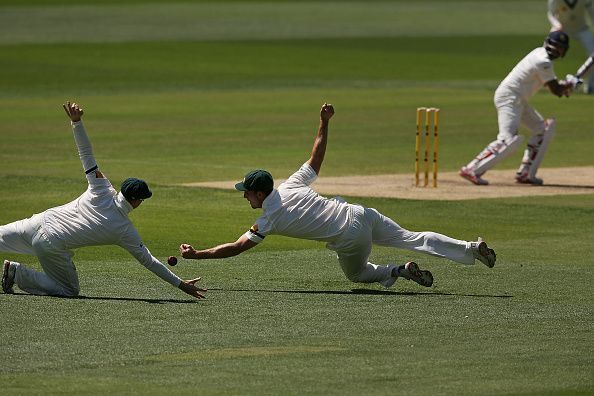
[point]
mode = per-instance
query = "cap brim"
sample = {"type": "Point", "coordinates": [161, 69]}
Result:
{"type": "Point", "coordinates": [239, 186]}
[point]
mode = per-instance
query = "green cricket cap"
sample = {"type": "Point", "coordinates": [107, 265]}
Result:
{"type": "Point", "coordinates": [256, 180]}
{"type": "Point", "coordinates": [133, 188]}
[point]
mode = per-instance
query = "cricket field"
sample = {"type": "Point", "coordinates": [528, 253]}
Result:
{"type": "Point", "coordinates": [194, 91]}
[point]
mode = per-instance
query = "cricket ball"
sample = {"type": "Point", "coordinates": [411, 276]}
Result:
{"type": "Point", "coordinates": [172, 260]}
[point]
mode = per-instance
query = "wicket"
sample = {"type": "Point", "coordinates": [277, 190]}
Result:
{"type": "Point", "coordinates": [428, 120]}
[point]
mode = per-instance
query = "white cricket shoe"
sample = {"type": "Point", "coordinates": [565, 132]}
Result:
{"type": "Point", "coordinates": [469, 175]}
{"type": "Point", "coordinates": [523, 178]}
{"type": "Point", "coordinates": [8, 273]}
{"type": "Point", "coordinates": [483, 253]}
{"type": "Point", "coordinates": [411, 271]}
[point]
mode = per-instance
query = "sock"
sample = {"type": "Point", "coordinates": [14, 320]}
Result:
{"type": "Point", "coordinates": [398, 271]}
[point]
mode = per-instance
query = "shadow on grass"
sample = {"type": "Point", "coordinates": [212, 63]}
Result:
{"type": "Point", "coordinates": [132, 299]}
{"type": "Point", "coordinates": [363, 291]}
{"type": "Point", "coordinates": [344, 292]}
{"type": "Point", "coordinates": [568, 186]}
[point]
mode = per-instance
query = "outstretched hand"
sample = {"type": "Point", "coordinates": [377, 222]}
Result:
{"type": "Point", "coordinates": [73, 111]}
{"type": "Point", "coordinates": [189, 286]}
{"type": "Point", "coordinates": [326, 112]}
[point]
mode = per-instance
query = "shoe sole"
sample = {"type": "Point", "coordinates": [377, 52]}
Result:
{"type": "Point", "coordinates": [472, 179]}
{"type": "Point", "coordinates": [6, 284]}
{"type": "Point", "coordinates": [417, 275]}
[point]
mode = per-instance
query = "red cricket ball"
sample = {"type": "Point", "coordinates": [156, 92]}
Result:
{"type": "Point", "coordinates": [171, 260]}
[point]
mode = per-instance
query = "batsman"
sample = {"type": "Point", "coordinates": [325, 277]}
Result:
{"type": "Point", "coordinates": [533, 72]}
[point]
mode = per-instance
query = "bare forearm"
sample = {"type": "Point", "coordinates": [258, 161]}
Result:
{"type": "Point", "coordinates": [217, 252]}
{"type": "Point", "coordinates": [319, 148]}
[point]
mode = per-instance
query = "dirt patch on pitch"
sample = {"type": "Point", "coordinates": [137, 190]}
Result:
{"type": "Point", "coordinates": [558, 181]}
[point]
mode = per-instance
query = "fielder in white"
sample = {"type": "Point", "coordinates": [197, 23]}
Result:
{"type": "Point", "coordinates": [571, 17]}
{"type": "Point", "coordinates": [98, 217]}
{"type": "Point", "coordinates": [533, 72]}
{"type": "Point", "coordinates": [295, 210]}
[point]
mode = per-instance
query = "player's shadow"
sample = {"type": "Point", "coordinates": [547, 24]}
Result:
{"type": "Point", "coordinates": [146, 300]}
{"type": "Point", "coordinates": [363, 291]}
{"type": "Point", "coordinates": [131, 299]}
{"type": "Point", "coordinates": [567, 186]}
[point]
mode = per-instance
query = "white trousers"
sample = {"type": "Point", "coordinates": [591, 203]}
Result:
{"type": "Point", "coordinates": [370, 227]}
{"type": "Point", "coordinates": [513, 111]}
{"type": "Point", "coordinates": [59, 276]}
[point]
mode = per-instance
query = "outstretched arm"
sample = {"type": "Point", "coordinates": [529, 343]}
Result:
{"type": "Point", "coordinates": [319, 148]}
{"type": "Point", "coordinates": [221, 251]}
{"type": "Point", "coordinates": [83, 144]}
{"type": "Point", "coordinates": [133, 244]}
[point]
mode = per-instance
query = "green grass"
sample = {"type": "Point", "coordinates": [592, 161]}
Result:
{"type": "Point", "coordinates": [283, 319]}
{"type": "Point", "coordinates": [256, 20]}
{"type": "Point", "coordinates": [197, 91]}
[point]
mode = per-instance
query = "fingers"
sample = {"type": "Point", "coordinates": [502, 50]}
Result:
{"type": "Point", "coordinates": [73, 111]}
{"type": "Point", "coordinates": [186, 251]}
{"type": "Point", "coordinates": [184, 247]}
{"type": "Point", "coordinates": [189, 287]}
{"type": "Point", "coordinates": [194, 287]}
{"type": "Point", "coordinates": [196, 293]}
{"type": "Point", "coordinates": [327, 111]}
{"type": "Point", "coordinates": [199, 295]}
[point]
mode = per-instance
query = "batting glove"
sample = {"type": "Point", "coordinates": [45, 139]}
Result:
{"type": "Point", "coordinates": [573, 80]}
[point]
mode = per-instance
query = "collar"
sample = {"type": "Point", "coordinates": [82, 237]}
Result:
{"type": "Point", "coordinates": [272, 202]}
{"type": "Point", "coordinates": [122, 204]}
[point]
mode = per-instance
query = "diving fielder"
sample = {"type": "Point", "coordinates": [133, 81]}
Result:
{"type": "Point", "coordinates": [570, 16]}
{"type": "Point", "coordinates": [295, 210]}
{"type": "Point", "coordinates": [98, 217]}
{"type": "Point", "coordinates": [533, 72]}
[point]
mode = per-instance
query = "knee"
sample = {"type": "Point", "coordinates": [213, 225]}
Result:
{"type": "Point", "coordinates": [69, 292]}
{"type": "Point", "coordinates": [353, 276]}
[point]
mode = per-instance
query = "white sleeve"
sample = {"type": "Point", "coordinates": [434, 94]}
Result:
{"type": "Point", "coordinates": [159, 269]}
{"type": "Point", "coordinates": [134, 245]}
{"type": "Point", "coordinates": [590, 9]}
{"type": "Point", "coordinates": [83, 144]}
{"type": "Point", "coordinates": [545, 72]}
{"type": "Point", "coordinates": [303, 177]}
{"type": "Point", "coordinates": [259, 230]}
{"type": "Point", "coordinates": [555, 23]}
{"type": "Point", "coordinates": [552, 9]}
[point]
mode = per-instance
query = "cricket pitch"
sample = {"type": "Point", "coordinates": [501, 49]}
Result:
{"type": "Point", "coordinates": [557, 181]}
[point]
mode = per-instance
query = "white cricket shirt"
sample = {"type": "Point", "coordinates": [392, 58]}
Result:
{"type": "Point", "coordinates": [570, 15]}
{"type": "Point", "coordinates": [295, 210]}
{"type": "Point", "coordinates": [100, 217]}
{"type": "Point", "coordinates": [529, 75]}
